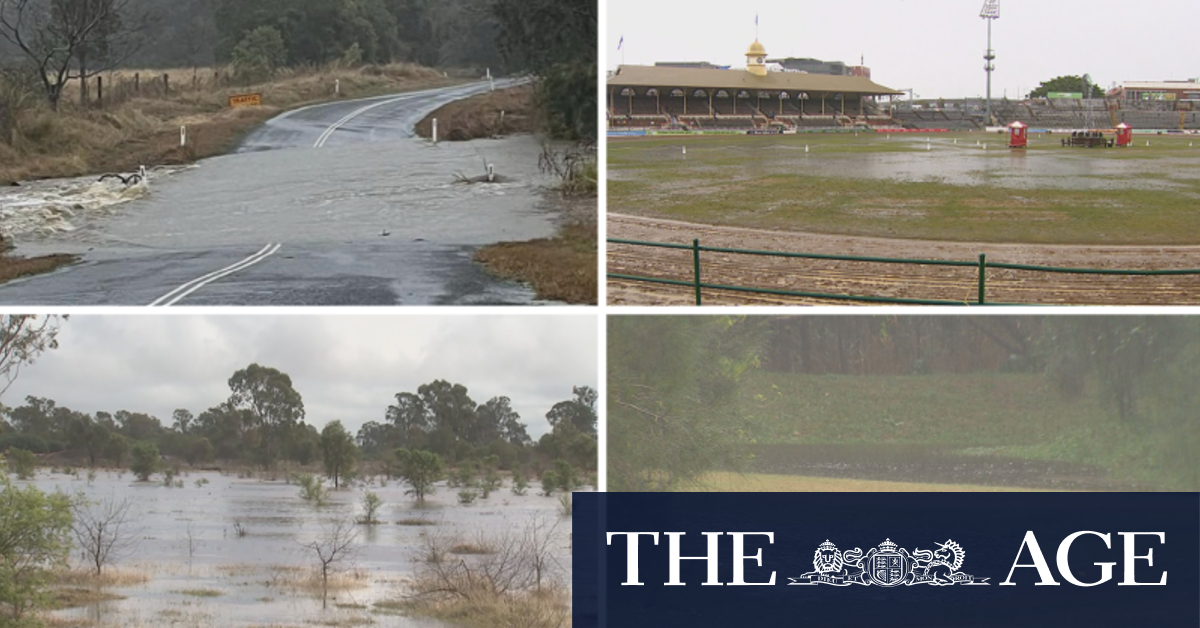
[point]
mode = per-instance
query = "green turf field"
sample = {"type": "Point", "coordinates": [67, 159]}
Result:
{"type": "Point", "coordinates": [1013, 415]}
{"type": "Point", "coordinates": [915, 186]}
{"type": "Point", "coordinates": [761, 483]}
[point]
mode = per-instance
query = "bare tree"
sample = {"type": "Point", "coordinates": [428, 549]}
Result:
{"type": "Point", "coordinates": [105, 531]}
{"type": "Point", "coordinates": [193, 542]}
{"type": "Point", "coordinates": [503, 564]}
{"type": "Point", "coordinates": [333, 548]}
{"type": "Point", "coordinates": [71, 39]}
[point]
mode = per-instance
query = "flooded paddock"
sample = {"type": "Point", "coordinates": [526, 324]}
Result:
{"type": "Point", "coordinates": [267, 577]}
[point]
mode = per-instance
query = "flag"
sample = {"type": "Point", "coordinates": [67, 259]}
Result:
{"type": "Point", "coordinates": [621, 43]}
{"type": "Point", "coordinates": [755, 19]}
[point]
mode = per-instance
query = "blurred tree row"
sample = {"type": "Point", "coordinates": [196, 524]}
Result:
{"type": "Point", "coordinates": [263, 422]}
{"type": "Point", "coordinates": [673, 380]}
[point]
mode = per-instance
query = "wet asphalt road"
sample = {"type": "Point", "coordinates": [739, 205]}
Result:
{"type": "Point", "coordinates": [272, 272]}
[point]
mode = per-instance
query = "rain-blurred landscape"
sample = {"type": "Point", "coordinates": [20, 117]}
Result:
{"type": "Point", "coordinates": [904, 403]}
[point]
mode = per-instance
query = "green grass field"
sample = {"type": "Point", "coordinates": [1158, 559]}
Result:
{"type": "Point", "coordinates": [988, 414]}
{"type": "Point", "coordinates": [726, 482]}
{"type": "Point", "coordinates": [871, 185]}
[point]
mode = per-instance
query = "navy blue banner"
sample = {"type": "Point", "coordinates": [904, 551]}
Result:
{"type": "Point", "coordinates": [925, 560]}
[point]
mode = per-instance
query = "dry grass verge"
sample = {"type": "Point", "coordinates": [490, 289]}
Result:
{"type": "Point", "coordinates": [12, 267]}
{"type": "Point", "coordinates": [562, 268]}
{"type": "Point", "coordinates": [493, 114]}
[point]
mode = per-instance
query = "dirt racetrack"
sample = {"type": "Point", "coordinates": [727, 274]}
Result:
{"type": "Point", "coordinates": [884, 280]}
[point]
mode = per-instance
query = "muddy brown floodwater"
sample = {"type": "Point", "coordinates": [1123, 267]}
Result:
{"type": "Point", "coordinates": [936, 464]}
{"type": "Point", "coordinates": [266, 577]}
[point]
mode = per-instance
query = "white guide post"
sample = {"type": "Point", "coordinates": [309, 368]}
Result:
{"type": "Point", "coordinates": [435, 130]}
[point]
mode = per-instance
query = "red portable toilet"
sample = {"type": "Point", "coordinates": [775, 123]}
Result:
{"type": "Point", "coordinates": [1018, 135]}
{"type": "Point", "coordinates": [1124, 135]}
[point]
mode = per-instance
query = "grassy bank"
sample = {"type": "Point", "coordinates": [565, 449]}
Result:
{"type": "Point", "coordinates": [761, 483]}
{"type": "Point", "coordinates": [896, 188]}
{"type": "Point", "coordinates": [562, 268]}
{"type": "Point", "coordinates": [14, 267]}
{"type": "Point", "coordinates": [996, 414]}
{"type": "Point", "coordinates": [145, 130]}
{"type": "Point", "coordinates": [493, 114]}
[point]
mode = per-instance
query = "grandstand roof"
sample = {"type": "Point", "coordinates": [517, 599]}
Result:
{"type": "Point", "coordinates": [651, 76]}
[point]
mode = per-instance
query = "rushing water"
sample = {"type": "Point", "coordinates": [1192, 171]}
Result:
{"type": "Point", "coordinates": [405, 187]}
{"type": "Point", "coordinates": [250, 574]}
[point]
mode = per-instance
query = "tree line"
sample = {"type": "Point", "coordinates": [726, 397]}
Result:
{"type": "Point", "coordinates": [263, 423]}
{"type": "Point", "coordinates": [674, 381]}
{"type": "Point", "coordinates": [45, 44]}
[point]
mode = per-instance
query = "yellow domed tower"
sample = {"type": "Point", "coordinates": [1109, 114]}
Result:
{"type": "Point", "coordinates": [756, 59]}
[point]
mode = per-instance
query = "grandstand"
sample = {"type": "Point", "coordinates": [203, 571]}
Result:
{"type": "Point", "coordinates": [1041, 113]}
{"type": "Point", "coordinates": [754, 98]}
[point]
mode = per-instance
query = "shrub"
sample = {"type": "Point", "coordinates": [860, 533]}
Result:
{"type": "Point", "coordinates": [24, 463]}
{"type": "Point", "coordinates": [146, 461]}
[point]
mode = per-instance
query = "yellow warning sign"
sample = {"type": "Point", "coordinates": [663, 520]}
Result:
{"type": "Point", "coordinates": [245, 100]}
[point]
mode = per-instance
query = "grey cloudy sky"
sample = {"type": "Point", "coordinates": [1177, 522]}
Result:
{"type": "Point", "coordinates": [933, 46]}
{"type": "Point", "coordinates": [347, 368]}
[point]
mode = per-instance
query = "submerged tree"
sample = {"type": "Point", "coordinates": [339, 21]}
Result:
{"type": "Point", "coordinates": [105, 530]}
{"type": "Point", "coordinates": [420, 469]}
{"type": "Point", "coordinates": [338, 452]}
{"type": "Point", "coordinates": [333, 548]}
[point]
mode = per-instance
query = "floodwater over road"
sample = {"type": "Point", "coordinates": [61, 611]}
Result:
{"type": "Point", "coordinates": [937, 464]}
{"type": "Point", "coordinates": [264, 578]}
{"type": "Point", "coordinates": [364, 214]}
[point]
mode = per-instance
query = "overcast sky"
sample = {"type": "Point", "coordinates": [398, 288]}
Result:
{"type": "Point", "coordinates": [346, 368]}
{"type": "Point", "coordinates": [933, 46]}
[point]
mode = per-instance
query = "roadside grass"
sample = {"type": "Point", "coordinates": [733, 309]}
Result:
{"type": "Point", "coordinates": [14, 267]}
{"type": "Point", "coordinates": [562, 268]}
{"type": "Point", "coordinates": [729, 482]}
{"type": "Point", "coordinates": [763, 182]}
{"type": "Point", "coordinates": [77, 141]}
{"type": "Point", "coordinates": [492, 114]}
{"type": "Point", "coordinates": [996, 414]}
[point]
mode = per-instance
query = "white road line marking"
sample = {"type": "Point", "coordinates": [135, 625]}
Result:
{"type": "Point", "coordinates": [352, 115]}
{"type": "Point", "coordinates": [324, 137]}
{"type": "Point", "coordinates": [178, 294]}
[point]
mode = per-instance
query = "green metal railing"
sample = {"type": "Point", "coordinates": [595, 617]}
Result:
{"type": "Point", "coordinates": [982, 266]}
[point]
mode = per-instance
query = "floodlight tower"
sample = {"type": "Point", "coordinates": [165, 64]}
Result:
{"type": "Point", "coordinates": [990, 12]}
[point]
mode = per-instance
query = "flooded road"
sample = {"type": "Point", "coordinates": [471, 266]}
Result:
{"type": "Point", "coordinates": [265, 577]}
{"type": "Point", "coordinates": [937, 464]}
{"type": "Point", "coordinates": [334, 204]}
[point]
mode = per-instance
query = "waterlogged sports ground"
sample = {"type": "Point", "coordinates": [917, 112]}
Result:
{"type": "Point", "coordinates": [918, 196]}
{"type": "Point", "coordinates": [230, 550]}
